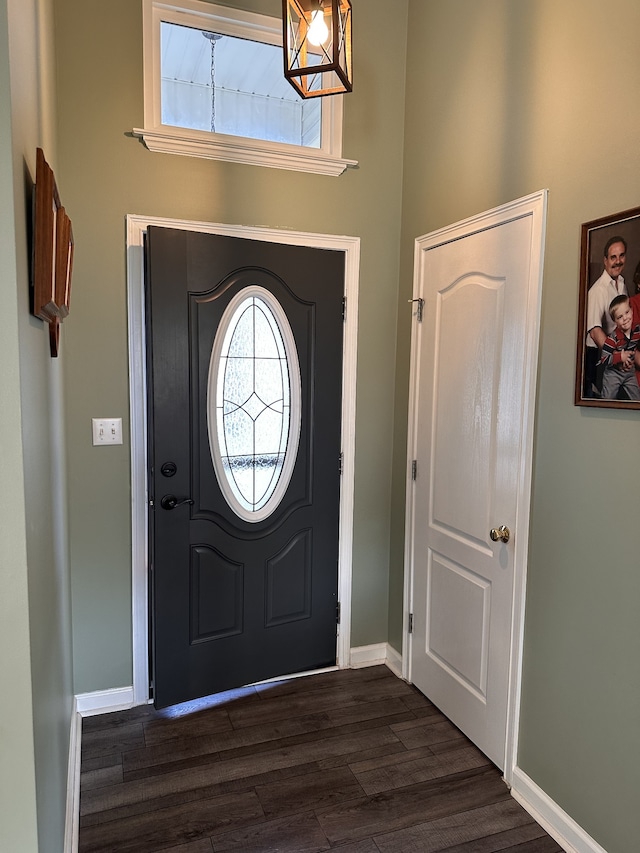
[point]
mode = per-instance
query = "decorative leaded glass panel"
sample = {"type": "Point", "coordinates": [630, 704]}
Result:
{"type": "Point", "coordinates": [254, 403]}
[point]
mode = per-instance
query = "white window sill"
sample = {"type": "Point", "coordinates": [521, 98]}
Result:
{"type": "Point", "coordinates": [237, 150]}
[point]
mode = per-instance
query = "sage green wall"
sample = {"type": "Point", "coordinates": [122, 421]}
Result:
{"type": "Point", "coordinates": [505, 98]}
{"type": "Point", "coordinates": [18, 825]}
{"type": "Point", "coordinates": [106, 174]}
{"type": "Point", "coordinates": [35, 620]}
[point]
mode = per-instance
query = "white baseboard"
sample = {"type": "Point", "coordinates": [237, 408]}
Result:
{"type": "Point", "coordinates": [569, 835]}
{"type": "Point", "coordinates": [368, 655]}
{"type": "Point", "coordinates": [86, 705]}
{"type": "Point", "coordinates": [72, 818]}
{"type": "Point", "coordinates": [394, 661]}
{"type": "Point", "coordinates": [378, 653]}
{"type": "Point", "coordinates": [103, 701]}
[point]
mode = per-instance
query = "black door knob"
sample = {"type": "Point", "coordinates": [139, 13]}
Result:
{"type": "Point", "coordinates": [171, 502]}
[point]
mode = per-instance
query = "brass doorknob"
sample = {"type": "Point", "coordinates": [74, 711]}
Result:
{"type": "Point", "coordinates": [500, 534]}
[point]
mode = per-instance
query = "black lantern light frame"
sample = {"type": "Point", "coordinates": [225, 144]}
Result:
{"type": "Point", "coordinates": [324, 69]}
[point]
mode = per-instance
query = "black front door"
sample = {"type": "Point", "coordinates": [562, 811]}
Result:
{"type": "Point", "coordinates": [243, 537]}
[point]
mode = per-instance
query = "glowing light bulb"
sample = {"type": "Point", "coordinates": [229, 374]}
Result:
{"type": "Point", "coordinates": [318, 30]}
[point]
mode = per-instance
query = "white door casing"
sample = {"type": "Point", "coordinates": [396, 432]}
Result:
{"type": "Point", "coordinates": [136, 229]}
{"type": "Point", "coordinates": [472, 399]}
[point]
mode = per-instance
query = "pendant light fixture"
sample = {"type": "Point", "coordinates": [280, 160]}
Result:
{"type": "Point", "coordinates": [317, 46]}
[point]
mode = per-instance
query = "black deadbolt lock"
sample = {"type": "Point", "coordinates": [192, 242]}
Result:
{"type": "Point", "coordinates": [168, 469]}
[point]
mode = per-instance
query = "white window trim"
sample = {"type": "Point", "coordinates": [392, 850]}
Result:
{"type": "Point", "coordinates": [327, 160]}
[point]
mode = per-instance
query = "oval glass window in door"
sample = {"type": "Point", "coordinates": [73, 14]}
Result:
{"type": "Point", "coordinates": [253, 403]}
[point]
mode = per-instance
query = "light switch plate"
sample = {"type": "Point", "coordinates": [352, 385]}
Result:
{"type": "Point", "coordinates": [106, 430]}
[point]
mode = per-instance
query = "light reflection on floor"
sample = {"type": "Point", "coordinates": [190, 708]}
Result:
{"type": "Point", "coordinates": [194, 706]}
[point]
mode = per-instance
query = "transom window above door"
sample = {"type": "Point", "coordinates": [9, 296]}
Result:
{"type": "Point", "coordinates": [214, 87]}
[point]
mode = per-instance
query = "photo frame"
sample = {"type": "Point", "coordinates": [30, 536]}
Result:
{"type": "Point", "coordinates": [604, 377]}
{"type": "Point", "coordinates": [64, 262]}
{"type": "Point", "coordinates": [52, 253]}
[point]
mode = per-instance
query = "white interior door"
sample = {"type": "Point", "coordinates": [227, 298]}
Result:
{"type": "Point", "coordinates": [473, 379]}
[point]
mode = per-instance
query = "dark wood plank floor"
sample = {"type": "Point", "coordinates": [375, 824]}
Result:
{"type": "Point", "coordinates": [355, 760]}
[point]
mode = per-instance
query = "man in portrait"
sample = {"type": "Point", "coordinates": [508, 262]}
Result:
{"type": "Point", "coordinates": [599, 323]}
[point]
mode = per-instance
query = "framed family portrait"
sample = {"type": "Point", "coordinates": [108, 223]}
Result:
{"type": "Point", "coordinates": [608, 352]}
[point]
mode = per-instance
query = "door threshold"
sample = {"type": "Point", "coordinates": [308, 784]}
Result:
{"type": "Point", "coordinates": [295, 675]}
